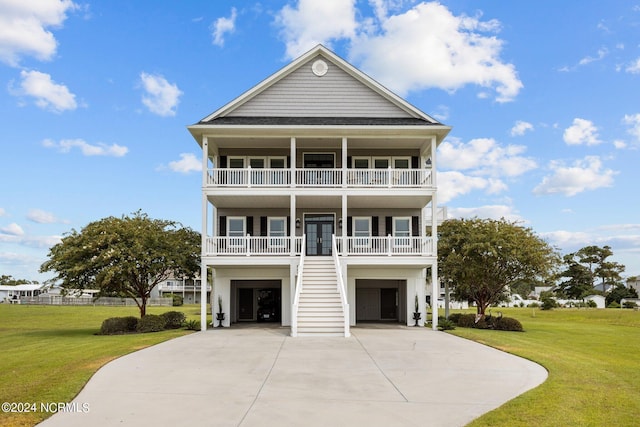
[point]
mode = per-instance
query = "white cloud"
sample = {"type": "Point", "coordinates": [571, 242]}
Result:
{"type": "Point", "coordinates": [99, 149]}
{"type": "Point", "coordinates": [188, 163]}
{"type": "Point", "coordinates": [48, 94]}
{"type": "Point", "coordinates": [24, 28]}
{"type": "Point", "coordinates": [3, 212]}
{"type": "Point", "coordinates": [441, 113]}
{"type": "Point", "coordinates": [602, 53]}
{"type": "Point", "coordinates": [43, 217]}
{"type": "Point", "coordinates": [581, 132]}
{"type": "Point", "coordinates": [484, 156]}
{"type": "Point", "coordinates": [429, 47]}
{"type": "Point", "coordinates": [520, 128]}
{"type": "Point", "coordinates": [161, 97]}
{"type": "Point", "coordinates": [634, 122]}
{"type": "Point", "coordinates": [452, 184]}
{"type": "Point", "coordinates": [315, 22]}
{"type": "Point", "coordinates": [619, 144]}
{"type": "Point", "coordinates": [12, 229]}
{"type": "Point", "coordinates": [487, 211]}
{"type": "Point", "coordinates": [222, 25]}
{"type": "Point", "coordinates": [634, 67]}
{"type": "Point", "coordinates": [585, 174]}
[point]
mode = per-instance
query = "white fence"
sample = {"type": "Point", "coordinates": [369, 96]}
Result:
{"type": "Point", "coordinates": [102, 301]}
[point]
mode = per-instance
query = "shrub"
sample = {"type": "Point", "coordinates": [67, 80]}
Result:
{"type": "Point", "coordinates": [613, 305]}
{"type": "Point", "coordinates": [534, 305]}
{"type": "Point", "coordinates": [454, 317]}
{"type": "Point", "coordinates": [173, 319]}
{"type": "Point", "coordinates": [445, 324]}
{"type": "Point", "coordinates": [507, 324]}
{"type": "Point", "coordinates": [192, 325]}
{"type": "Point", "coordinates": [548, 304]}
{"type": "Point", "coordinates": [469, 321]}
{"type": "Point", "coordinates": [151, 323]}
{"type": "Point", "coordinates": [592, 304]}
{"type": "Point", "coordinates": [629, 304]}
{"type": "Point", "coordinates": [178, 300]}
{"type": "Point", "coordinates": [119, 325]}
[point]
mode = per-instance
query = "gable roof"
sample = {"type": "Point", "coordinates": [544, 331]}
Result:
{"type": "Point", "coordinates": [337, 94]}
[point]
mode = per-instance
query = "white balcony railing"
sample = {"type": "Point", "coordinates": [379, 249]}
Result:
{"type": "Point", "coordinates": [355, 178]}
{"type": "Point", "coordinates": [389, 245]}
{"type": "Point", "coordinates": [253, 245]}
{"type": "Point", "coordinates": [349, 246]}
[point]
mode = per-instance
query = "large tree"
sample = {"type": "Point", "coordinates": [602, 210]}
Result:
{"type": "Point", "coordinates": [481, 258]}
{"type": "Point", "coordinates": [588, 266]}
{"type": "Point", "coordinates": [126, 256]}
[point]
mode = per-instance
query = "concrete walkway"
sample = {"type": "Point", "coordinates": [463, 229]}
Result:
{"type": "Point", "coordinates": [259, 376]}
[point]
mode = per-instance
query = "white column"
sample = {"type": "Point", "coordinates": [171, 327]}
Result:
{"type": "Point", "coordinates": [344, 162]}
{"type": "Point", "coordinates": [203, 296]}
{"type": "Point", "coordinates": [292, 224]}
{"type": "Point", "coordinates": [203, 251]}
{"type": "Point", "coordinates": [205, 160]}
{"type": "Point", "coordinates": [434, 181]}
{"type": "Point", "coordinates": [435, 290]}
{"type": "Point", "coordinates": [293, 161]}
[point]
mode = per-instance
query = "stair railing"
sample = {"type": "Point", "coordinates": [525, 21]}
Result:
{"type": "Point", "coordinates": [341, 288]}
{"type": "Point", "coordinates": [296, 298]}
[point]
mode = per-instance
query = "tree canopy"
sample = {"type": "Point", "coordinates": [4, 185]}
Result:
{"type": "Point", "coordinates": [8, 280]}
{"type": "Point", "coordinates": [127, 256]}
{"type": "Point", "coordinates": [482, 258]}
{"type": "Point", "coordinates": [588, 268]}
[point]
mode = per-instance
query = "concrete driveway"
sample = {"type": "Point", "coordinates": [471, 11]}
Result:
{"type": "Point", "coordinates": [259, 376]}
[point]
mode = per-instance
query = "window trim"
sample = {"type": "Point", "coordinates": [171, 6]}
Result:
{"type": "Point", "coordinates": [277, 241]}
{"type": "Point", "coordinates": [401, 241]}
{"type": "Point", "coordinates": [236, 241]}
{"type": "Point", "coordinates": [361, 241]}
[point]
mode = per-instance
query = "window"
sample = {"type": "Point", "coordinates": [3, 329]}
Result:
{"type": "Point", "coordinates": [402, 231]}
{"type": "Point", "coordinates": [277, 162]}
{"type": "Point", "coordinates": [278, 177]}
{"type": "Point", "coordinates": [236, 162]}
{"type": "Point", "coordinates": [361, 231]}
{"type": "Point", "coordinates": [257, 162]}
{"type": "Point", "coordinates": [401, 162]}
{"type": "Point", "coordinates": [277, 231]}
{"type": "Point", "coordinates": [236, 230]}
{"type": "Point", "coordinates": [381, 162]}
{"type": "Point", "coordinates": [361, 163]}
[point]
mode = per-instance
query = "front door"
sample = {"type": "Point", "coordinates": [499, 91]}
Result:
{"type": "Point", "coordinates": [318, 230]}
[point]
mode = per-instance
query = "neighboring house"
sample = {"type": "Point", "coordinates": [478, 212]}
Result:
{"type": "Point", "coordinates": [188, 289]}
{"type": "Point", "coordinates": [598, 299]}
{"type": "Point", "coordinates": [316, 187]}
{"type": "Point", "coordinates": [634, 283]}
{"type": "Point", "coordinates": [14, 293]}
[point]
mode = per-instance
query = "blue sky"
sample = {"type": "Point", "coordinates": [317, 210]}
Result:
{"type": "Point", "coordinates": [544, 101]}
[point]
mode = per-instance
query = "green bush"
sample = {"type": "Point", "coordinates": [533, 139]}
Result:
{"type": "Point", "coordinates": [173, 319]}
{"type": "Point", "coordinates": [178, 300]}
{"type": "Point", "coordinates": [151, 323]}
{"type": "Point", "coordinates": [613, 305]}
{"type": "Point", "coordinates": [533, 305]}
{"type": "Point", "coordinates": [119, 325]}
{"type": "Point", "coordinates": [549, 303]}
{"type": "Point", "coordinates": [507, 324]}
{"type": "Point", "coordinates": [445, 324]}
{"type": "Point", "coordinates": [629, 304]}
{"type": "Point", "coordinates": [454, 317]}
{"type": "Point", "coordinates": [466, 320]}
{"type": "Point", "coordinates": [192, 325]}
{"type": "Point", "coordinates": [592, 304]}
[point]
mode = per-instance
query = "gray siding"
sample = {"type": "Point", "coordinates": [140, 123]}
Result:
{"type": "Point", "coordinates": [303, 94]}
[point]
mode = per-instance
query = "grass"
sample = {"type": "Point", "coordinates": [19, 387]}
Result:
{"type": "Point", "coordinates": [593, 359]}
{"type": "Point", "coordinates": [48, 353]}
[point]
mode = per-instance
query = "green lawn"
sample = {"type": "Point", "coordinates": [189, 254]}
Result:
{"type": "Point", "coordinates": [593, 359]}
{"type": "Point", "coordinates": [48, 353]}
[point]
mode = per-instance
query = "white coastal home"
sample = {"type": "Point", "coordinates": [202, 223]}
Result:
{"type": "Point", "coordinates": [319, 201]}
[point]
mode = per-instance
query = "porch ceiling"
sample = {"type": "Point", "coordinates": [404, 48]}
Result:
{"type": "Point", "coordinates": [320, 201]}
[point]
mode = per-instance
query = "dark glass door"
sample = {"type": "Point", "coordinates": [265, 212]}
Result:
{"type": "Point", "coordinates": [388, 304]}
{"type": "Point", "coordinates": [318, 230]}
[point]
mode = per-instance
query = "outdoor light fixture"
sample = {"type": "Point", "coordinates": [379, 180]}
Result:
{"type": "Point", "coordinates": [297, 222]}
{"type": "Point", "coordinates": [340, 223]}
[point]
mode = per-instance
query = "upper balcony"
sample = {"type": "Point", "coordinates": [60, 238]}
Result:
{"type": "Point", "coordinates": [323, 178]}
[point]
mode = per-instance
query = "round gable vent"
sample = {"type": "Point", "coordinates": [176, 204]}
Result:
{"type": "Point", "coordinates": [319, 68]}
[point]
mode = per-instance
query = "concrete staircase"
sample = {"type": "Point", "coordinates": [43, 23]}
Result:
{"type": "Point", "coordinates": [320, 310]}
